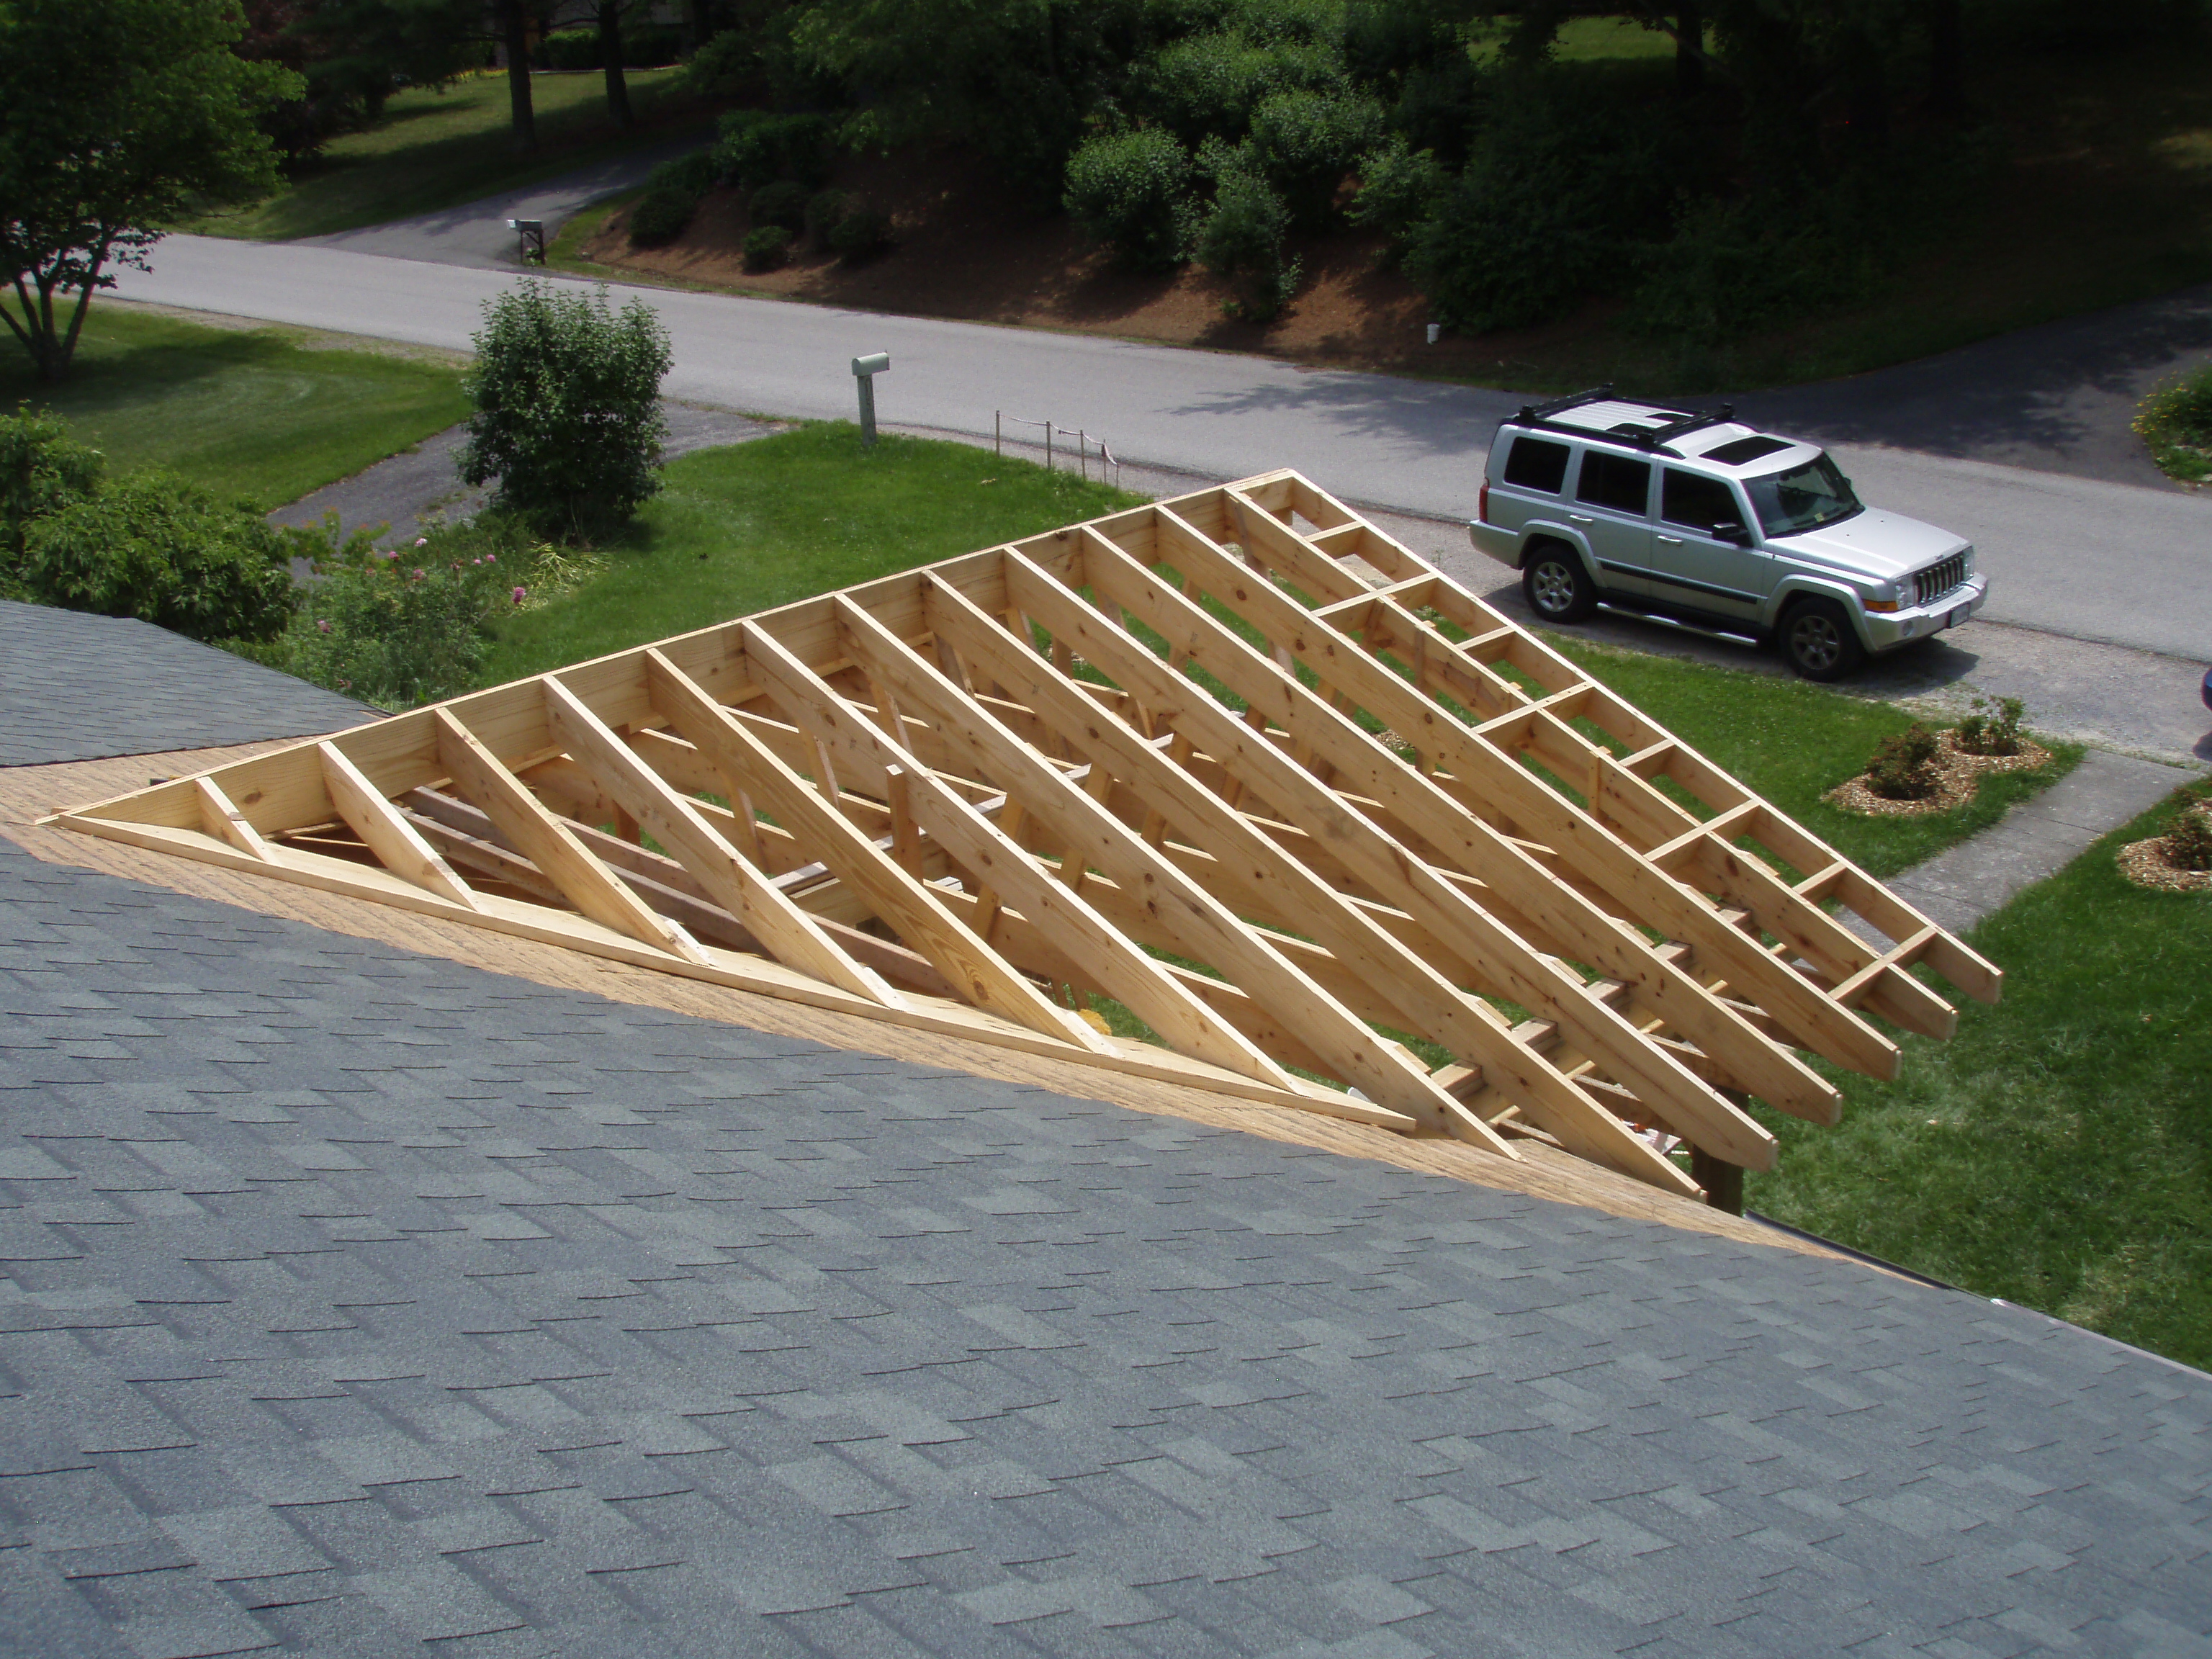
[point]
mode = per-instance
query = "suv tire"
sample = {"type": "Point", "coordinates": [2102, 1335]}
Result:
{"type": "Point", "coordinates": [1558, 589]}
{"type": "Point", "coordinates": [1819, 641]}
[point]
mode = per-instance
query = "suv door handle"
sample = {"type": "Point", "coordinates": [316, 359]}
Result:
{"type": "Point", "coordinates": [1582, 518]}
{"type": "Point", "coordinates": [1671, 541]}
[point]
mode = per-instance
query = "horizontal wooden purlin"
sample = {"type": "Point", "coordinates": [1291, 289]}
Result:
{"type": "Point", "coordinates": [960, 796]}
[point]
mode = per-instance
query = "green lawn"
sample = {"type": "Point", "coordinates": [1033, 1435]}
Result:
{"type": "Point", "coordinates": [1793, 742]}
{"type": "Point", "coordinates": [759, 524]}
{"type": "Point", "coordinates": [434, 150]}
{"type": "Point", "coordinates": [2057, 1153]}
{"type": "Point", "coordinates": [250, 413]}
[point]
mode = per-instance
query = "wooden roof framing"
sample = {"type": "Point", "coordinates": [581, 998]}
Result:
{"type": "Point", "coordinates": [1237, 760]}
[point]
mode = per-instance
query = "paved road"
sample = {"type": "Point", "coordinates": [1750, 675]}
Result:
{"type": "Point", "coordinates": [2076, 557]}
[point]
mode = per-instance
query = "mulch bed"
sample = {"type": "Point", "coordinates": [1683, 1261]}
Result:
{"type": "Point", "coordinates": [2145, 863]}
{"type": "Point", "coordinates": [1956, 774]}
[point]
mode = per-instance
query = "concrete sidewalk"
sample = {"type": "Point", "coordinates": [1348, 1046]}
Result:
{"type": "Point", "coordinates": [2037, 839]}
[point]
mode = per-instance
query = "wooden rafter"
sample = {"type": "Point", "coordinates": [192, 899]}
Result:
{"type": "Point", "coordinates": [1238, 771]}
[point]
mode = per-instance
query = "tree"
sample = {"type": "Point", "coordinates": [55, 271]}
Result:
{"type": "Point", "coordinates": [355, 54]}
{"type": "Point", "coordinates": [567, 401]}
{"type": "Point", "coordinates": [115, 115]}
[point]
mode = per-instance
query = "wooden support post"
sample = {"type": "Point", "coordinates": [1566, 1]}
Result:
{"type": "Point", "coordinates": [1722, 1180]}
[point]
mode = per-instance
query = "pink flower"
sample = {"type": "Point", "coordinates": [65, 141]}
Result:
{"type": "Point", "coordinates": [324, 623]}
{"type": "Point", "coordinates": [518, 592]}
{"type": "Point", "coordinates": [418, 574]}
{"type": "Point", "coordinates": [421, 541]}
{"type": "Point", "coordinates": [491, 558]}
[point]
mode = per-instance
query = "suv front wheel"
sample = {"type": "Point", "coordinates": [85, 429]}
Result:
{"type": "Point", "coordinates": [1558, 588]}
{"type": "Point", "coordinates": [1819, 641]}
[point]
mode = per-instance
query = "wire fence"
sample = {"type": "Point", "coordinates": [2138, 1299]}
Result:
{"type": "Point", "coordinates": [1085, 442]}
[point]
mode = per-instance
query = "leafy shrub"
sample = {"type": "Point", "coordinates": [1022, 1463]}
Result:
{"type": "Point", "coordinates": [1560, 202]}
{"type": "Point", "coordinates": [1304, 142]}
{"type": "Point", "coordinates": [2175, 423]}
{"type": "Point", "coordinates": [672, 194]}
{"type": "Point", "coordinates": [567, 407]}
{"type": "Point", "coordinates": [1208, 85]}
{"type": "Point", "coordinates": [783, 202]}
{"type": "Point", "coordinates": [1242, 243]}
{"type": "Point", "coordinates": [857, 232]}
{"type": "Point", "coordinates": [409, 626]}
{"type": "Point", "coordinates": [2188, 843]}
{"type": "Point", "coordinates": [756, 148]}
{"type": "Point", "coordinates": [42, 470]}
{"type": "Point", "coordinates": [164, 550]}
{"type": "Point", "coordinates": [1901, 769]}
{"type": "Point", "coordinates": [824, 208]}
{"type": "Point", "coordinates": [1992, 727]}
{"type": "Point", "coordinates": [1131, 191]}
{"type": "Point", "coordinates": [1399, 187]}
{"type": "Point", "coordinates": [1732, 268]}
{"type": "Point", "coordinates": [767, 247]}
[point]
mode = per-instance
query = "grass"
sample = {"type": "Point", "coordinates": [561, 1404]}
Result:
{"type": "Point", "coordinates": [434, 150]}
{"type": "Point", "coordinates": [256, 414]}
{"type": "Point", "coordinates": [2057, 1152]}
{"type": "Point", "coordinates": [800, 512]}
{"type": "Point", "coordinates": [1793, 742]}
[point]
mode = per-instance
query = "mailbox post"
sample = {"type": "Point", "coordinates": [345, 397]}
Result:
{"type": "Point", "coordinates": [531, 235]}
{"type": "Point", "coordinates": [864, 370]}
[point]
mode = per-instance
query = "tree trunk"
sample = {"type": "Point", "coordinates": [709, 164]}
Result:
{"type": "Point", "coordinates": [516, 14]}
{"type": "Point", "coordinates": [610, 59]}
{"type": "Point", "coordinates": [687, 28]}
{"type": "Point", "coordinates": [1947, 59]}
{"type": "Point", "coordinates": [1690, 50]}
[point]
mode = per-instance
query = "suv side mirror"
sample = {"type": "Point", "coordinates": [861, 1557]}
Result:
{"type": "Point", "coordinates": [1727, 530]}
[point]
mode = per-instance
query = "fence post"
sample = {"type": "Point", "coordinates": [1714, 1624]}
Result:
{"type": "Point", "coordinates": [997, 432]}
{"type": "Point", "coordinates": [1048, 445]}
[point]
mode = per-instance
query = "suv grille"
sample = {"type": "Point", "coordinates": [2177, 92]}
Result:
{"type": "Point", "coordinates": [1933, 583]}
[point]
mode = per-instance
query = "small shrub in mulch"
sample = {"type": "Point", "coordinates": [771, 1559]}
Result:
{"type": "Point", "coordinates": [1918, 773]}
{"type": "Point", "coordinates": [2179, 862]}
{"type": "Point", "coordinates": [1901, 769]}
{"type": "Point", "coordinates": [1992, 727]}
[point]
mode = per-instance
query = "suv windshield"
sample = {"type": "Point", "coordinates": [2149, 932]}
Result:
{"type": "Point", "coordinates": [1803, 498]}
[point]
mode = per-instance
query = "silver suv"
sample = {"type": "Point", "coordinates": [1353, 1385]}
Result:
{"type": "Point", "coordinates": [1697, 521]}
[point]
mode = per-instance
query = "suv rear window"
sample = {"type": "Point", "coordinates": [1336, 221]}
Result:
{"type": "Point", "coordinates": [1536, 464]}
{"type": "Point", "coordinates": [1697, 503]}
{"type": "Point", "coordinates": [1615, 482]}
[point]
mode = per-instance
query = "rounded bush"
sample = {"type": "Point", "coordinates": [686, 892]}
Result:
{"type": "Point", "coordinates": [1242, 243]}
{"type": "Point", "coordinates": [783, 202]}
{"type": "Point", "coordinates": [1131, 191]}
{"type": "Point", "coordinates": [767, 247]}
{"type": "Point", "coordinates": [1208, 85]}
{"type": "Point", "coordinates": [567, 407]}
{"type": "Point", "coordinates": [757, 148]}
{"type": "Point", "coordinates": [163, 550]}
{"type": "Point", "coordinates": [858, 232]}
{"type": "Point", "coordinates": [1305, 142]}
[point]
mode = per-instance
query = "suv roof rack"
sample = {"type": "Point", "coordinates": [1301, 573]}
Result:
{"type": "Point", "coordinates": [1659, 438]}
{"type": "Point", "coordinates": [1596, 394]}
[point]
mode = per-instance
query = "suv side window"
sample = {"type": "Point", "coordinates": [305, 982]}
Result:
{"type": "Point", "coordinates": [1536, 464]}
{"type": "Point", "coordinates": [1615, 482]}
{"type": "Point", "coordinates": [1697, 502]}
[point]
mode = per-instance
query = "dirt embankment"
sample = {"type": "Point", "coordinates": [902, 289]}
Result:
{"type": "Point", "coordinates": [961, 249]}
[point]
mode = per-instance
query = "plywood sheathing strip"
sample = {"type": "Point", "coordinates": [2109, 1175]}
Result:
{"type": "Point", "coordinates": [29, 793]}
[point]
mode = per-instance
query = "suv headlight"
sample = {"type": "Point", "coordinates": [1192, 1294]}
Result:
{"type": "Point", "coordinates": [1881, 598]}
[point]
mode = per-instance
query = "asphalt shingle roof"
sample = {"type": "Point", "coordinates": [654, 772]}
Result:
{"type": "Point", "coordinates": [75, 686]}
{"type": "Point", "coordinates": [355, 1301]}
